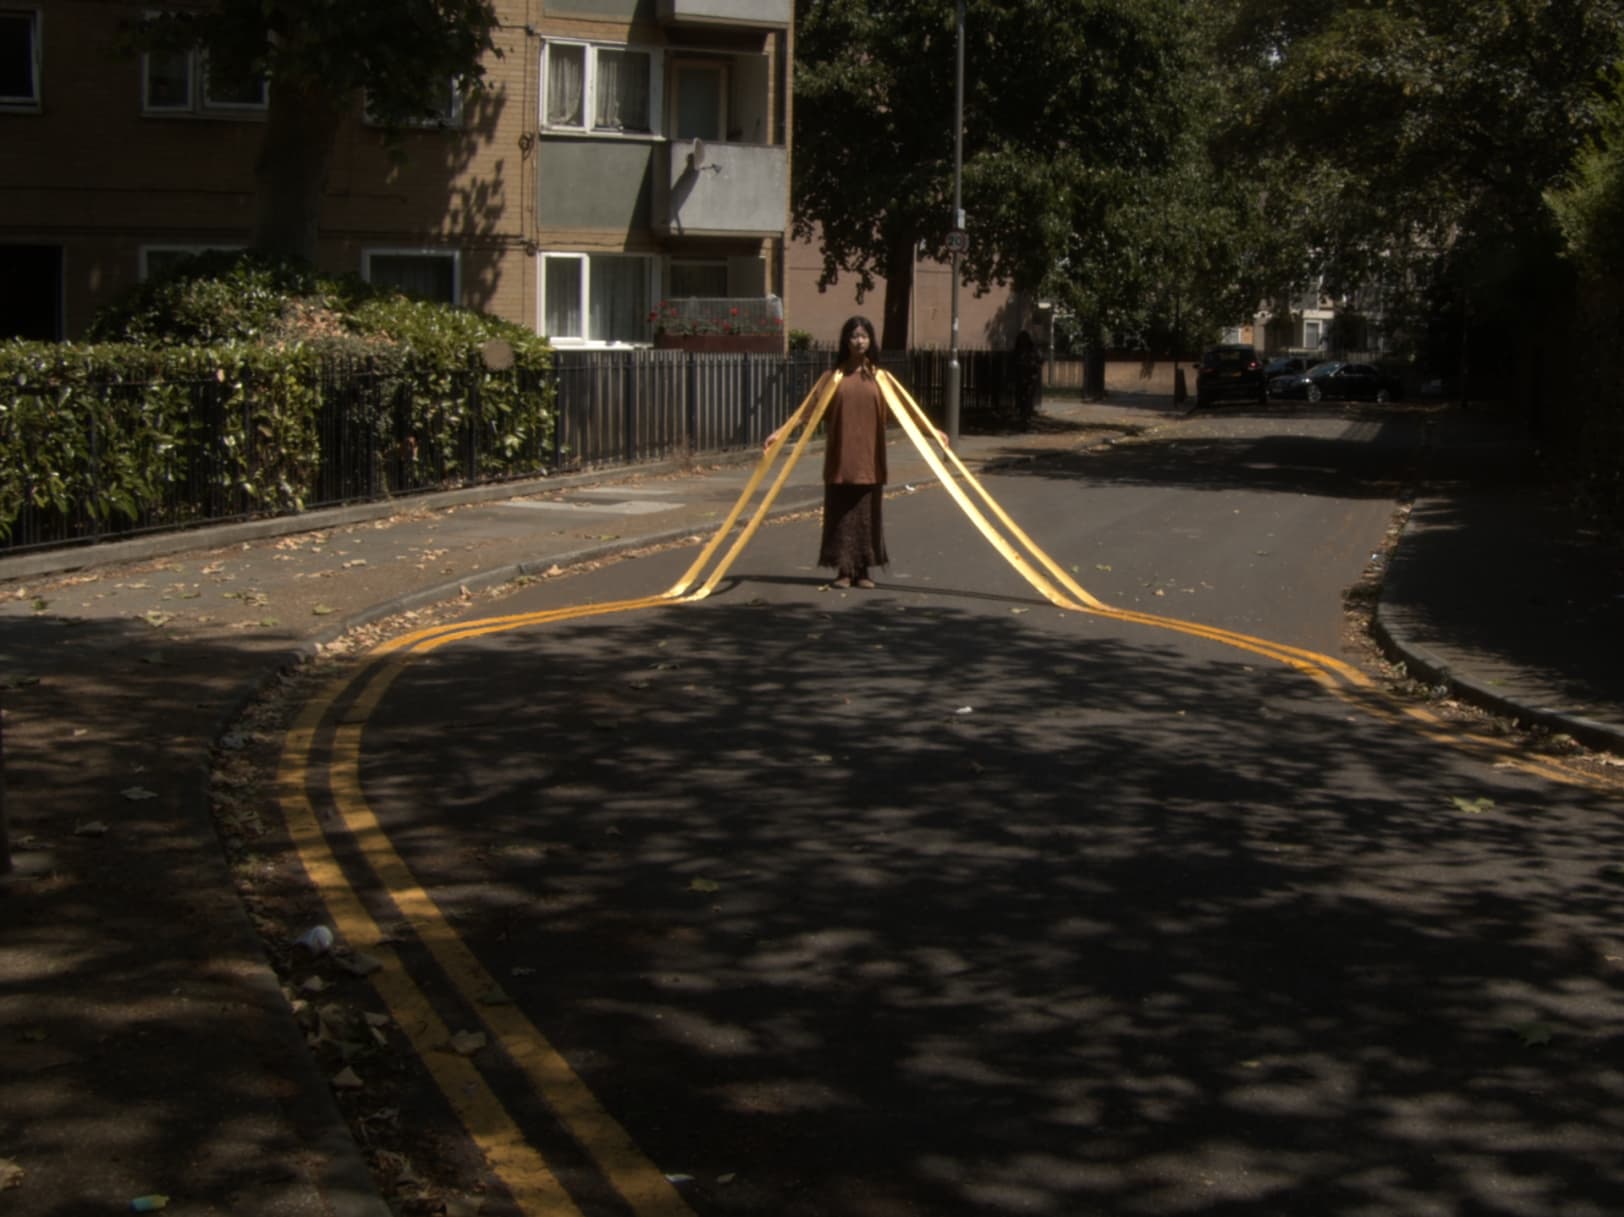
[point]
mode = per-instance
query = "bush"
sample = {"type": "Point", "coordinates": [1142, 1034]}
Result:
{"type": "Point", "coordinates": [203, 394]}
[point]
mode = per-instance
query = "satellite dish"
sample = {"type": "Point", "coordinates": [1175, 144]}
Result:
{"type": "Point", "coordinates": [696, 157]}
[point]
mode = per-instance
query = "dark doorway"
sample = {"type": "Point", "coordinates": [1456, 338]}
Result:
{"type": "Point", "coordinates": [31, 305]}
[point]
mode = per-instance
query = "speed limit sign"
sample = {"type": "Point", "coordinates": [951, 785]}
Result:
{"type": "Point", "coordinates": [958, 241]}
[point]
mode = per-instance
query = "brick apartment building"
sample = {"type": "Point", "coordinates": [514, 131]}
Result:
{"type": "Point", "coordinates": [623, 152]}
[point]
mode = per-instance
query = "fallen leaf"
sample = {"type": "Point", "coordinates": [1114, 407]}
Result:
{"type": "Point", "coordinates": [466, 1043]}
{"type": "Point", "coordinates": [704, 885]}
{"type": "Point", "coordinates": [137, 794]}
{"type": "Point", "coordinates": [321, 610]}
{"type": "Point", "coordinates": [95, 828]}
{"type": "Point", "coordinates": [1019, 611]}
{"type": "Point", "coordinates": [1471, 807]}
{"type": "Point", "coordinates": [11, 1175]}
{"type": "Point", "coordinates": [149, 1203]}
{"type": "Point", "coordinates": [358, 964]}
{"type": "Point", "coordinates": [347, 1079]}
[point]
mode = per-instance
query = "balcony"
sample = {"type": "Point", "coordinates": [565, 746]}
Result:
{"type": "Point", "coordinates": [757, 14]}
{"type": "Point", "coordinates": [726, 190]}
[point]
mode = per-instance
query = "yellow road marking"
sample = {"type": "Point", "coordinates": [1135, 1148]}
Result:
{"type": "Point", "coordinates": [522, 1170]}
{"type": "Point", "coordinates": [623, 1165]}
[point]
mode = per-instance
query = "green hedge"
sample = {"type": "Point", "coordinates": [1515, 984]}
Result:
{"type": "Point", "coordinates": [220, 400]}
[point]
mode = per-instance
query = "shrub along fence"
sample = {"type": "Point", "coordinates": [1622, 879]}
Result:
{"type": "Point", "coordinates": [102, 443]}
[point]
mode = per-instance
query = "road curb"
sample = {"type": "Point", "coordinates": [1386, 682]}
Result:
{"type": "Point", "coordinates": [214, 536]}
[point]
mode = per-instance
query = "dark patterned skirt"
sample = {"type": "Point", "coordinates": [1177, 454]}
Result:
{"type": "Point", "coordinates": [853, 534]}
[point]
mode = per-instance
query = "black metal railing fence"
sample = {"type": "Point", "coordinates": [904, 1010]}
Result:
{"type": "Point", "coordinates": [373, 435]}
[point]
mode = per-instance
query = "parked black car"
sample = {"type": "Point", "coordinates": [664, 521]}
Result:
{"type": "Point", "coordinates": [1285, 365]}
{"type": "Point", "coordinates": [1230, 371]}
{"type": "Point", "coordinates": [1334, 381]}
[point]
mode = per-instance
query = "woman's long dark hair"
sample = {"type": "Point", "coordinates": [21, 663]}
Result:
{"type": "Point", "coordinates": [853, 324]}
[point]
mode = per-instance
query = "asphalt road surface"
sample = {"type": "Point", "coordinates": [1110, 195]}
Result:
{"type": "Point", "coordinates": [940, 900]}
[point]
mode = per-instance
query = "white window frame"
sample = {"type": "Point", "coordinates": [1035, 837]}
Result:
{"type": "Point", "coordinates": [198, 101]}
{"type": "Point", "coordinates": [36, 43]}
{"type": "Point", "coordinates": [147, 251]}
{"type": "Point", "coordinates": [448, 119]}
{"type": "Point", "coordinates": [651, 270]}
{"type": "Point", "coordinates": [589, 82]}
{"type": "Point", "coordinates": [389, 251]}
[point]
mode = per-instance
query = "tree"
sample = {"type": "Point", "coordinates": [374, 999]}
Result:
{"type": "Point", "coordinates": [1062, 101]}
{"type": "Point", "coordinates": [1411, 143]}
{"type": "Point", "coordinates": [318, 57]}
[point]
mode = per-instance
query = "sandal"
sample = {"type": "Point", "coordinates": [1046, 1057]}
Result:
{"type": "Point", "coordinates": [840, 582]}
{"type": "Point", "coordinates": [865, 581]}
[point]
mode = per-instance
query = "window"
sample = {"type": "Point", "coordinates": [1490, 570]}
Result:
{"type": "Point", "coordinates": [598, 88]}
{"type": "Point", "coordinates": [444, 111]}
{"type": "Point", "coordinates": [596, 298]}
{"type": "Point", "coordinates": [19, 58]}
{"type": "Point", "coordinates": [184, 82]}
{"type": "Point", "coordinates": [691, 277]}
{"type": "Point", "coordinates": [427, 274]}
{"type": "Point", "coordinates": [161, 259]}
{"type": "Point", "coordinates": [31, 305]}
{"type": "Point", "coordinates": [1313, 335]}
{"type": "Point", "coordinates": [699, 101]}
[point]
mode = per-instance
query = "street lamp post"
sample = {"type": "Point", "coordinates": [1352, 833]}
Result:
{"type": "Point", "coordinates": [953, 382]}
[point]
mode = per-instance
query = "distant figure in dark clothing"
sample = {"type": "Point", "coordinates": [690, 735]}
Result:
{"type": "Point", "coordinates": [1028, 378]}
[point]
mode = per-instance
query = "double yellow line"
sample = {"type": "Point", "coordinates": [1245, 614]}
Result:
{"type": "Point", "coordinates": [338, 716]}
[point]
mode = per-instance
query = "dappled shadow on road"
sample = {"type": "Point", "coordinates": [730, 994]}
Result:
{"type": "Point", "coordinates": [143, 1044]}
{"type": "Point", "coordinates": [882, 905]}
{"type": "Point", "coordinates": [1375, 463]}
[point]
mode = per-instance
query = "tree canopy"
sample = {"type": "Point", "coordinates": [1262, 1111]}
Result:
{"type": "Point", "coordinates": [1410, 144]}
{"type": "Point", "coordinates": [1062, 101]}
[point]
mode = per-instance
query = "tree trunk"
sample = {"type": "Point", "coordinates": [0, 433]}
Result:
{"type": "Point", "coordinates": [291, 172]}
{"type": "Point", "coordinates": [899, 278]}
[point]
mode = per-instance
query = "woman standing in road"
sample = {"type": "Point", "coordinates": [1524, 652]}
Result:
{"type": "Point", "coordinates": [854, 468]}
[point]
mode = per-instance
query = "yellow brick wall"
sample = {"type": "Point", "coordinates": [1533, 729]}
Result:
{"type": "Point", "coordinates": [91, 172]}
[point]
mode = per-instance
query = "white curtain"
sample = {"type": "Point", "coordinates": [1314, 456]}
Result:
{"type": "Point", "coordinates": [622, 91]}
{"type": "Point", "coordinates": [566, 78]}
{"type": "Point", "coordinates": [561, 290]}
{"type": "Point", "coordinates": [619, 299]}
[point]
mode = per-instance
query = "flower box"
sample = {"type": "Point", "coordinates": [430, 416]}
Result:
{"type": "Point", "coordinates": [755, 344]}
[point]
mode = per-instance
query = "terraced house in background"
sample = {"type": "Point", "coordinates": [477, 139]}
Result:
{"type": "Point", "coordinates": [623, 153]}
